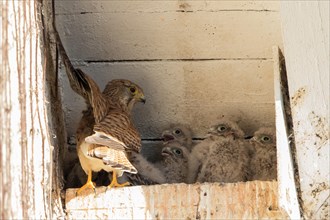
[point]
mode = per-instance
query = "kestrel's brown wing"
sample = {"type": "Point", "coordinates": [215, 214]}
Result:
{"type": "Point", "coordinates": [95, 97]}
{"type": "Point", "coordinates": [85, 127]}
{"type": "Point", "coordinates": [73, 76]}
{"type": "Point", "coordinates": [82, 84]}
{"type": "Point", "coordinates": [117, 126]}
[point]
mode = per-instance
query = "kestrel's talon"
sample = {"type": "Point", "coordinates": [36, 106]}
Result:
{"type": "Point", "coordinates": [88, 184]}
{"type": "Point", "coordinates": [114, 182]}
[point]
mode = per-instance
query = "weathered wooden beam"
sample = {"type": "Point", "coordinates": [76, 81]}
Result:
{"type": "Point", "coordinates": [306, 49]}
{"type": "Point", "coordinates": [250, 200]}
{"type": "Point", "coordinates": [27, 148]}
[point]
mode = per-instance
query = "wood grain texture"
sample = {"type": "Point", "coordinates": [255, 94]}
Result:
{"type": "Point", "coordinates": [27, 171]}
{"type": "Point", "coordinates": [306, 41]}
{"type": "Point", "coordinates": [167, 30]}
{"type": "Point", "coordinates": [193, 93]}
{"type": "Point", "coordinates": [251, 200]}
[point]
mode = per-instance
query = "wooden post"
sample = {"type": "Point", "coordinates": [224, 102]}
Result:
{"type": "Point", "coordinates": [29, 165]}
{"type": "Point", "coordinates": [306, 48]}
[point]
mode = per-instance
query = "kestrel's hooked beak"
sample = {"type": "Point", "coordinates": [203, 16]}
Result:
{"type": "Point", "coordinates": [143, 99]}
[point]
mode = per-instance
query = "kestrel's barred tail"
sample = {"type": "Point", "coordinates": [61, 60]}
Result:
{"type": "Point", "coordinates": [114, 158]}
{"type": "Point", "coordinates": [148, 174]}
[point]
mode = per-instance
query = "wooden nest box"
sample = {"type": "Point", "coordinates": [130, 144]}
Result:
{"type": "Point", "coordinates": [197, 62]}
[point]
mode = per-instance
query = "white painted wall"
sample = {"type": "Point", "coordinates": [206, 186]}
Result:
{"type": "Point", "coordinates": [306, 47]}
{"type": "Point", "coordinates": [196, 60]}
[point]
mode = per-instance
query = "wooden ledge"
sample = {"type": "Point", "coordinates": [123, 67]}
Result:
{"type": "Point", "coordinates": [250, 200]}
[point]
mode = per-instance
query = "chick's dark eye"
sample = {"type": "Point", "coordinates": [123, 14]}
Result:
{"type": "Point", "coordinates": [265, 138]}
{"type": "Point", "coordinates": [222, 128]}
{"type": "Point", "coordinates": [177, 151]}
{"type": "Point", "coordinates": [177, 131]}
{"type": "Point", "coordinates": [132, 89]}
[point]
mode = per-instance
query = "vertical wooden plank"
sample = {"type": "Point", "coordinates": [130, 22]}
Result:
{"type": "Point", "coordinates": [306, 46]}
{"type": "Point", "coordinates": [288, 199]}
{"type": "Point", "coordinates": [25, 141]}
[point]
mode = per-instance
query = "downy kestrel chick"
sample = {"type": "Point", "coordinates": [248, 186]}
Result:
{"type": "Point", "coordinates": [227, 158]}
{"type": "Point", "coordinates": [264, 161]}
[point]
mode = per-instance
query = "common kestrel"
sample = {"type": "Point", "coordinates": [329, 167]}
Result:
{"type": "Point", "coordinates": [105, 133]}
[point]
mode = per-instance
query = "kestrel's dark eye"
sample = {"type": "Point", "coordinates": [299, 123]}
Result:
{"type": "Point", "coordinates": [177, 131]}
{"type": "Point", "coordinates": [222, 128]}
{"type": "Point", "coordinates": [132, 89]}
{"type": "Point", "coordinates": [265, 139]}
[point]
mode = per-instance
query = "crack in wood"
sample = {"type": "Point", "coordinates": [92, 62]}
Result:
{"type": "Point", "coordinates": [166, 11]}
{"type": "Point", "coordinates": [171, 60]}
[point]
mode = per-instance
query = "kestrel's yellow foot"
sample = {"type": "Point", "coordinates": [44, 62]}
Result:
{"type": "Point", "coordinates": [114, 182]}
{"type": "Point", "coordinates": [88, 184]}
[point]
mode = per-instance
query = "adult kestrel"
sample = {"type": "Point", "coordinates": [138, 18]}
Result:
{"type": "Point", "coordinates": [105, 133]}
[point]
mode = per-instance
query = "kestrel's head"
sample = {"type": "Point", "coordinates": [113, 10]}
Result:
{"type": "Point", "coordinates": [265, 136]}
{"type": "Point", "coordinates": [178, 133]}
{"type": "Point", "coordinates": [175, 151]}
{"type": "Point", "coordinates": [124, 92]}
{"type": "Point", "coordinates": [226, 128]}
